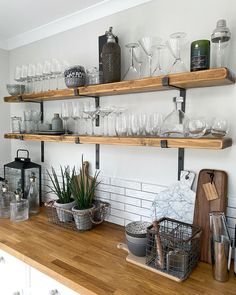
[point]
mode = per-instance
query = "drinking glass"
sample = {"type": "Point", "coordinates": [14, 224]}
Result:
{"type": "Point", "coordinates": [91, 111]}
{"type": "Point", "coordinates": [196, 127]}
{"type": "Point", "coordinates": [46, 74]}
{"type": "Point", "coordinates": [16, 124]}
{"type": "Point", "coordinates": [23, 77]}
{"type": "Point", "coordinates": [134, 124]}
{"type": "Point", "coordinates": [39, 77]}
{"type": "Point", "coordinates": [143, 123]}
{"type": "Point", "coordinates": [175, 44]}
{"type": "Point", "coordinates": [132, 73]}
{"type": "Point", "coordinates": [121, 125]}
{"type": "Point", "coordinates": [56, 70]}
{"type": "Point", "coordinates": [66, 114]}
{"type": "Point", "coordinates": [104, 114]}
{"type": "Point", "coordinates": [17, 76]}
{"type": "Point", "coordinates": [31, 75]}
{"type": "Point", "coordinates": [138, 59]}
{"type": "Point", "coordinates": [76, 115]}
{"type": "Point", "coordinates": [147, 44]}
{"type": "Point", "coordinates": [36, 118]}
{"type": "Point", "coordinates": [219, 128]}
{"type": "Point", "coordinates": [158, 71]}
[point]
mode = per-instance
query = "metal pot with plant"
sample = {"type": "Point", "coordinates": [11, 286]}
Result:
{"type": "Point", "coordinates": [83, 190]}
{"type": "Point", "coordinates": [62, 189]}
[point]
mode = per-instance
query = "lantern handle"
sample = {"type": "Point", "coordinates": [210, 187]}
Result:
{"type": "Point", "coordinates": [21, 150]}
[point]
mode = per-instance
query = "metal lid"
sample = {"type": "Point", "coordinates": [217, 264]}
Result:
{"type": "Point", "coordinates": [110, 36]}
{"type": "Point", "coordinates": [221, 32]}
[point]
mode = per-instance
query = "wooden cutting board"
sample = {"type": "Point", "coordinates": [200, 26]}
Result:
{"type": "Point", "coordinates": [86, 176]}
{"type": "Point", "coordinates": [203, 206]}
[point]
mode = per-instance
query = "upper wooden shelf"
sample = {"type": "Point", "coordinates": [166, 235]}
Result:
{"type": "Point", "coordinates": [194, 143]}
{"type": "Point", "coordinates": [207, 78]}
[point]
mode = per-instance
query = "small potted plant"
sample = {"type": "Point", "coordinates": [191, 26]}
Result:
{"type": "Point", "coordinates": [63, 192]}
{"type": "Point", "coordinates": [83, 190]}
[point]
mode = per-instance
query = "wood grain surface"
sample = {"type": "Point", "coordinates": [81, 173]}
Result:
{"type": "Point", "coordinates": [90, 262]}
{"type": "Point", "coordinates": [207, 78]}
{"type": "Point", "coordinates": [203, 206]}
{"type": "Point", "coordinates": [195, 143]}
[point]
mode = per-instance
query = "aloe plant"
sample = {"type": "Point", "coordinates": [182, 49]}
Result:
{"type": "Point", "coordinates": [63, 190]}
{"type": "Point", "coordinates": [82, 189]}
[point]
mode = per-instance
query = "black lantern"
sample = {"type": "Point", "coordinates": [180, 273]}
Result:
{"type": "Point", "coordinates": [18, 174]}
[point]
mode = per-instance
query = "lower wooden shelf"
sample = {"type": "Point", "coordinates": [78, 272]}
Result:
{"type": "Point", "coordinates": [194, 143]}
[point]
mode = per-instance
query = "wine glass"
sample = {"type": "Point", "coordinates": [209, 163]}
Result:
{"type": "Point", "coordinates": [138, 59]}
{"type": "Point", "coordinates": [66, 114]}
{"type": "Point", "coordinates": [39, 77]}
{"type": "Point", "coordinates": [132, 73]}
{"type": "Point", "coordinates": [147, 44]}
{"type": "Point", "coordinates": [31, 77]}
{"type": "Point", "coordinates": [23, 77]}
{"type": "Point", "coordinates": [104, 113]}
{"type": "Point", "coordinates": [76, 115]}
{"type": "Point", "coordinates": [56, 70]}
{"type": "Point", "coordinates": [175, 44]}
{"type": "Point", "coordinates": [158, 71]}
{"type": "Point", "coordinates": [17, 76]}
{"type": "Point", "coordinates": [91, 111]}
{"type": "Point", "coordinates": [219, 127]}
{"type": "Point", "coordinates": [196, 127]}
{"type": "Point", "coordinates": [46, 74]}
{"type": "Point", "coordinates": [134, 124]}
{"type": "Point", "coordinates": [143, 123]}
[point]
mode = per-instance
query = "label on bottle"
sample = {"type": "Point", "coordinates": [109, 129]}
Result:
{"type": "Point", "coordinates": [199, 62]}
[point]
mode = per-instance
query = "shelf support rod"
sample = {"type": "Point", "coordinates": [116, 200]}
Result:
{"type": "Point", "coordinates": [42, 142]}
{"type": "Point", "coordinates": [182, 93]}
{"type": "Point", "coordinates": [97, 123]}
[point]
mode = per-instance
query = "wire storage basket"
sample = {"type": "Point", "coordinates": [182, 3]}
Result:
{"type": "Point", "coordinates": [173, 247]}
{"type": "Point", "coordinates": [78, 220]}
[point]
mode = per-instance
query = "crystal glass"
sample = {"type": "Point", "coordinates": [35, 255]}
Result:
{"type": "Point", "coordinates": [148, 46]}
{"type": "Point", "coordinates": [23, 77]}
{"type": "Point", "coordinates": [39, 77]}
{"type": "Point", "coordinates": [47, 75]}
{"type": "Point", "coordinates": [219, 128]}
{"type": "Point", "coordinates": [17, 76]}
{"type": "Point", "coordinates": [143, 123]}
{"type": "Point", "coordinates": [56, 70]}
{"type": "Point", "coordinates": [104, 114]}
{"type": "Point", "coordinates": [19, 208]}
{"type": "Point", "coordinates": [33, 195]}
{"type": "Point", "coordinates": [158, 71]}
{"type": "Point", "coordinates": [16, 124]}
{"type": "Point", "coordinates": [31, 75]}
{"type": "Point", "coordinates": [134, 124]}
{"type": "Point", "coordinates": [132, 73]}
{"type": "Point", "coordinates": [36, 118]}
{"type": "Point", "coordinates": [66, 114]}
{"type": "Point", "coordinates": [91, 111]}
{"type": "Point", "coordinates": [175, 44]}
{"type": "Point", "coordinates": [153, 124]}
{"type": "Point", "coordinates": [93, 76]}
{"type": "Point", "coordinates": [175, 124]}
{"type": "Point", "coordinates": [121, 125]}
{"type": "Point", "coordinates": [196, 127]}
{"type": "Point", "coordinates": [138, 57]}
{"type": "Point", "coordinates": [76, 115]}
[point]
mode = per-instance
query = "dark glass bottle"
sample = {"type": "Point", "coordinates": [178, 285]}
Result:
{"type": "Point", "coordinates": [111, 59]}
{"type": "Point", "coordinates": [200, 55]}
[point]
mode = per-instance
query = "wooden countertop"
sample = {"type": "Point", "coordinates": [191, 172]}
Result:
{"type": "Point", "coordinates": [90, 262]}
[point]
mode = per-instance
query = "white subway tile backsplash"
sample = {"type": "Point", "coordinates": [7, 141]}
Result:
{"type": "Point", "coordinates": [144, 218]}
{"type": "Point", "coordinates": [104, 180]}
{"type": "Point", "coordinates": [146, 204]}
{"type": "Point", "coordinates": [232, 202]}
{"type": "Point", "coordinates": [118, 198]}
{"type": "Point", "coordinates": [111, 189]}
{"type": "Point", "coordinates": [117, 205]}
{"type": "Point", "coordinates": [140, 194]}
{"type": "Point", "coordinates": [152, 188]}
{"type": "Point", "coordinates": [132, 201]}
{"type": "Point", "coordinates": [116, 220]}
{"type": "Point", "coordinates": [137, 210]}
{"type": "Point", "coordinates": [125, 215]}
{"type": "Point", "coordinates": [126, 183]}
{"type": "Point", "coordinates": [104, 195]}
{"type": "Point", "coordinates": [231, 212]}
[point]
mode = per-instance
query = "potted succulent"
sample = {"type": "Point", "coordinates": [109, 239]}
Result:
{"type": "Point", "coordinates": [83, 190]}
{"type": "Point", "coordinates": [63, 192]}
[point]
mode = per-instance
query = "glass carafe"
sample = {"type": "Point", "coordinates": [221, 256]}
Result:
{"type": "Point", "coordinates": [5, 199]}
{"type": "Point", "coordinates": [19, 208]}
{"type": "Point", "coordinates": [175, 124]}
{"type": "Point", "coordinates": [220, 246]}
{"type": "Point", "coordinates": [33, 195]}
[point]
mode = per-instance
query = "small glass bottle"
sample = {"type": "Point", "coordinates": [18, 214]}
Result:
{"type": "Point", "coordinates": [175, 124]}
{"type": "Point", "coordinates": [220, 42]}
{"type": "Point", "coordinates": [5, 199]}
{"type": "Point", "coordinates": [200, 55]}
{"type": "Point", "coordinates": [33, 195]}
{"type": "Point", "coordinates": [19, 208]}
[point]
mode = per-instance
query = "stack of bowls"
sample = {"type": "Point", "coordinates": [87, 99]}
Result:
{"type": "Point", "coordinates": [136, 237]}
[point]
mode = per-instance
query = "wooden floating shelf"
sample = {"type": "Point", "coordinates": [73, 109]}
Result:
{"type": "Point", "coordinates": [194, 143]}
{"type": "Point", "coordinates": [207, 78]}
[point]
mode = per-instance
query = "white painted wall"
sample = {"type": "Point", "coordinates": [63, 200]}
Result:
{"type": "Point", "coordinates": [159, 17]}
{"type": "Point", "coordinates": [4, 108]}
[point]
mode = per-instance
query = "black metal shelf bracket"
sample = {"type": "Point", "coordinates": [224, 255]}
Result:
{"type": "Point", "coordinates": [42, 142]}
{"type": "Point", "coordinates": [182, 93]}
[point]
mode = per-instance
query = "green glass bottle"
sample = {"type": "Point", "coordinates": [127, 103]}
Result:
{"type": "Point", "coordinates": [200, 55]}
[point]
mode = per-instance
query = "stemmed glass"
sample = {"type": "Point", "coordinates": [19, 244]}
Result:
{"type": "Point", "coordinates": [175, 45]}
{"type": "Point", "coordinates": [31, 75]}
{"type": "Point", "coordinates": [132, 72]}
{"type": "Point", "coordinates": [56, 70]}
{"type": "Point", "coordinates": [158, 71]}
{"type": "Point", "coordinates": [77, 114]}
{"type": "Point", "coordinates": [39, 77]}
{"type": "Point", "coordinates": [104, 113]}
{"type": "Point", "coordinates": [23, 77]}
{"type": "Point", "coordinates": [91, 111]}
{"type": "Point", "coordinates": [17, 76]}
{"type": "Point", "coordinates": [66, 114]}
{"type": "Point", "coordinates": [147, 44]}
{"type": "Point", "coordinates": [139, 59]}
{"type": "Point", "coordinates": [46, 74]}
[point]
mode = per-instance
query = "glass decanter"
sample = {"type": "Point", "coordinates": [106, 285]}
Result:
{"type": "Point", "coordinates": [175, 124]}
{"type": "Point", "coordinates": [33, 195]}
{"type": "Point", "coordinates": [19, 208]}
{"type": "Point", "coordinates": [5, 199]}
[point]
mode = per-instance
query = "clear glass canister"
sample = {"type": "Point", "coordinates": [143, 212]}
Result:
{"type": "Point", "coordinates": [93, 76]}
{"type": "Point", "coordinates": [33, 195]}
{"type": "Point", "coordinates": [19, 208]}
{"type": "Point", "coordinates": [5, 199]}
{"type": "Point", "coordinates": [16, 124]}
{"type": "Point", "coordinates": [220, 44]}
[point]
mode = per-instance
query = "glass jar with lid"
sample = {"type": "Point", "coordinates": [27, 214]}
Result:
{"type": "Point", "coordinates": [5, 199]}
{"type": "Point", "coordinates": [19, 208]}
